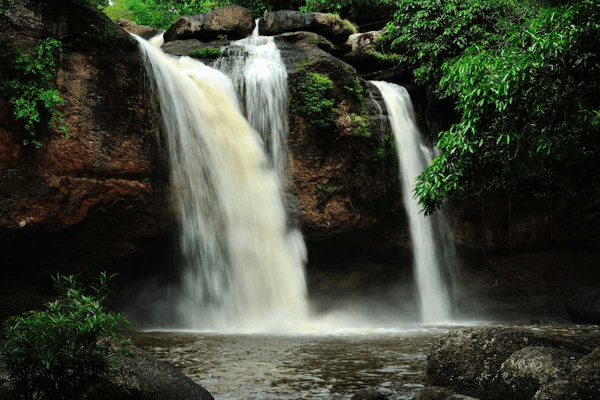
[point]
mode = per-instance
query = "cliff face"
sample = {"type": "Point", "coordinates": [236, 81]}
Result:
{"type": "Point", "coordinates": [88, 202]}
{"type": "Point", "coordinates": [97, 200]}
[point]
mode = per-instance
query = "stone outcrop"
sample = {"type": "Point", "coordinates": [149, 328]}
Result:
{"type": "Point", "coordinates": [141, 377]}
{"type": "Point", "coordinates": [331, 26]}
{"type": "Point", "coordinates": [145, 32]}
{"type": "Point", "coordinates": [234, 22]}
{"type": "Point", "coordinates": [89, 202]}
{"type": "Point", "coordinates": [501, 363]}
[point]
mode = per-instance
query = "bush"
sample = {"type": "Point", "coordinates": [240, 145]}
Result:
{"type": "Point", "coordinates": [55, 353]}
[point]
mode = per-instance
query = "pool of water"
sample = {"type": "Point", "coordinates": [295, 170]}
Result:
{"type": "Point", "coordinates": [315, 363]}
{"type": "Point", "coordinates": [307, 365]}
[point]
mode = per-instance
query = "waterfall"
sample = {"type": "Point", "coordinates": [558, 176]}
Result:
{"type": "Point", "coordinates": [242, 263]}
{"type": "Point", "coordinates": [260, 78]}
{"type": "Point", "coordinates": [413, 157]}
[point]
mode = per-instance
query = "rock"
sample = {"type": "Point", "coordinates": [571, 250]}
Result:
{"type": "Point", "coordinates": [141, 377]}
{"type": "Point", "coordinates": [89, 202]}
{"type": "Point", "coordinates": [145, 32]}
{"type": "Point", "coordinates": [368, 394]}
{"type": "Point", "coordinates": [361, 54]}
{"type": "Point", "coordinates": [529, 369]}
{"type": "Point", "coordinates": [469, 361]}
{"type": "Point", "coordinates": [330, 26]}
{"type": "Point", "coordinates": [584, 305]}
{"type": "Point", "coordinates": [234, 22]}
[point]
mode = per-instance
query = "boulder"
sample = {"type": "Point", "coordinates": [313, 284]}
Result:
{"type": "Point", "coordinates": [584, 305]}
{"type": "Point", "coordinates": [529, 369]}
{"type": "Point", "coordinates": [140, 377]}
{"type": "Point", "coordinates": [145, 32]}
{"type": "Point", "coordinates": [234, 22]}
{"type": "Point", "coordinates": [330, 26]}
{"type": "Point", "coordinates": [470, 361]}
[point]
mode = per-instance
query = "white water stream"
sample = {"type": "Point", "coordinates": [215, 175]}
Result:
{"type": "Point", "coordinates": [413, 157]}
{"type": "Point", "coordinates": [243, 264]}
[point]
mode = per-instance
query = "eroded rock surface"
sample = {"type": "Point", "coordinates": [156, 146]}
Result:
{"type": "Point", "coordinates": [330, 26]}
{"type": "Point", "coordinates": [233, 22]}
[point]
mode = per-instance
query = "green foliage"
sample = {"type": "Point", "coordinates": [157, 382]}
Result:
{"type": "Point", "coordinates": [529, 109]}
{"type": "Point", "coordinates": [161, 13]}
{"type": "Point", "coordinates": [208, 52]}
{"type": "Point", "coordinates": [118, 9]}
{"type": "Point", "coordinates": [313, 98]}
{"type": "Point", "coordinates": [385, 149]}
{"type": "Point", "coordinates": [427, 33]}
{"type": "Point", "coordinates": [362, 127]}
{"type": "Point", "coordinates": [4, 4]}
{"type": "Point", "coordinates": [54, 353]}
{"type": "Point", "coordinates": [350, 7]}
{"type": "Point", "coordinates": [326, 190]}
{"type": "Point", "coordinates": [31, 89]}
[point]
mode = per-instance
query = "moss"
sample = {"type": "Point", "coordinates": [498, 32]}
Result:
{"type": "Point", "coordinates": [208, 52]}
{"type": "Point", "coordinates": [314, 98]}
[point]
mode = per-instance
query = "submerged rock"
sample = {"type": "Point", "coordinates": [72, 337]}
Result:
{"type": "Point", "coordinates": [234, 22]}
{"type": "Point", "coordinates": [330, 26]}
{"type": "Point", "coordinates": [369, 394]}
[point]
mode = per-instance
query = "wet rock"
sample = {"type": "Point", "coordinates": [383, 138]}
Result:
{"type": "Point", "coordinates": [336, 181]}
{"type": "Point", "coordinates": [529, 369]}
{"type": "Point", "coordinates": [368, 394]}
{"type": "Point", "coordinates": [330, 26]}
{"type": "Point", "coordinates": [141, 377]}
{"type": "Point", "coordinates": [145, 32]}
{"type": "Point", "coordinates": [87, 202]}
{"type": "Point", "coordinates": [234, 22]}
{"type": "Point", "coordinates": [584, 305]}
{"type": "Point", "coordinates": [469, 361]}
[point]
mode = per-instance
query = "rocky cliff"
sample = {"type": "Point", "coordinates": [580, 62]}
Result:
{"type": "Point", "coordinates": [98, 199]}
{"type": "Point", "coordinates": [88, 202]}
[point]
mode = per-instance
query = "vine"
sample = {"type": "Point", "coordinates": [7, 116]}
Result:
{"type": "Point", "coordinates": [32, 92]}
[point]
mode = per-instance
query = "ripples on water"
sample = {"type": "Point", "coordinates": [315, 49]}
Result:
{"type": "Point", "coordinates": [314, 363]}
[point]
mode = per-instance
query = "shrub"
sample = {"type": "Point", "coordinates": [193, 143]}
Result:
{"type": "Point", "coordinates": [31, 90]}
{"type": "Point", "coordinates": [314, 98]}
{"type": "Point", "coordinates": [55, 353]}
{"type": "Point", "coordinates": [208, 52]}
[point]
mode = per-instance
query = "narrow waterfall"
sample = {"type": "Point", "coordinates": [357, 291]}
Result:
{"type": "Point", "coordinates": [413, 157]}
{"type": "Point", "coordinates": [242, 264]}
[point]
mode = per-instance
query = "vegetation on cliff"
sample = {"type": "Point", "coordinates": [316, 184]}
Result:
{"type": "Point", "coordinates": [524, 79]}
{"type": "Point", "coordinates": [30, 88]}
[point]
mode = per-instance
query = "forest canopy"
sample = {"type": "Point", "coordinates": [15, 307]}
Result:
{"type": "Point", "coordinates": [523, 76]}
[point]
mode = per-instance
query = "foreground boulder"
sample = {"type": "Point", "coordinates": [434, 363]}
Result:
{"type": "Point", "coordinates": [330, 26]}
{"type": "Point", "coordinates": [142, 377]}
{"type": "Point", "coordinates": [234, 22]}
{"type": "Point", "coordinates": [504, 363]}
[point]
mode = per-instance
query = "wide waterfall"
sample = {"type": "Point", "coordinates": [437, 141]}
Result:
{"type": "Point", "coordinates": [243, 265]}
{"type": "Point", "coordinates": [413, 157]}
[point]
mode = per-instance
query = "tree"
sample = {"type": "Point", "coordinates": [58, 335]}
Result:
{"type": "Point", "coordinates": [526, 92]}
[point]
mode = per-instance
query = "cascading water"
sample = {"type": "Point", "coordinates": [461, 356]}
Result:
{"type": "Point", "coordinates": [259, 75]}
{"type": "Point", "coordinates": [242, 263]}
{"type": "Point", "coordinates": [413, 157]}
